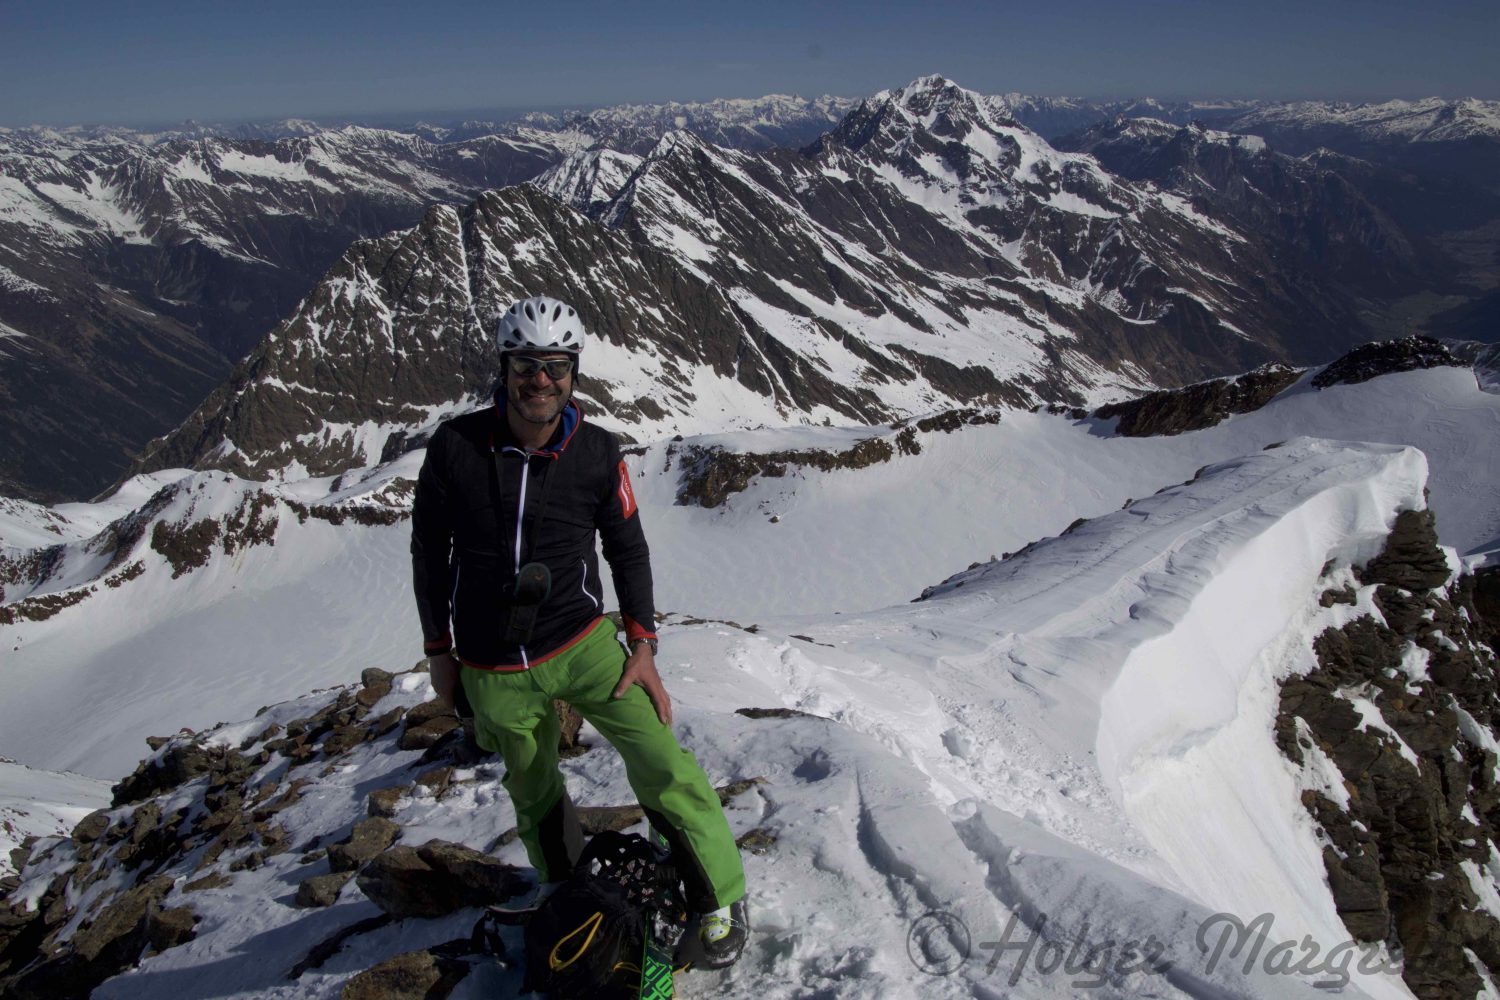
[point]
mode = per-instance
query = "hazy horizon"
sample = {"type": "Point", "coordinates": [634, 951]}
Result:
{"type": "Point", "coordinates": [154, 63]}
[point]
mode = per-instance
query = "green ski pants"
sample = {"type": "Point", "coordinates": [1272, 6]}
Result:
{"type": "Point", "coordinates": [513, 716]}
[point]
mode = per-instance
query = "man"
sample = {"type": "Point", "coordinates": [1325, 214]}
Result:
{"type": "Point", "coordinates": [508, 503]}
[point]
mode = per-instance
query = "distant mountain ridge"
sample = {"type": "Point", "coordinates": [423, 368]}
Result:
{"type": "Point", "coordinates": [929, 252]}
{"type": "Point", "coordinates": [137, 267]}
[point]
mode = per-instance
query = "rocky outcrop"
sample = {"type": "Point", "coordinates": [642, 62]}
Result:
{"type": "Point", "coordinates": [1194, 407]}
{"type": "Point", "coordinates": [205, 811]}
{"type": "Point", "coordinates": [412, 975]}
{"type": "Point", "coordinates": [709, 476]}
{"type": "Point", "coordinates": [1404, 703]}
{"type": "Point", "coordinates": [1385, 357]}
{"type": "Point", "coordinates": [437, 878]}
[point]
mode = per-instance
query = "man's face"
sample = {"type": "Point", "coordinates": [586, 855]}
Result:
{"type": "Point", "coordinates": [537, 397]}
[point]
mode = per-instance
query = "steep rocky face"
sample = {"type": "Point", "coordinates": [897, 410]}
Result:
{"type": "Point", "coordinates": [1404, 705]}
{"type": "Point", "coordinates": [1194, 407]}
{"type": "Point", "coordinates": [1314, 211]}
{"type": "Point", "coordinates": [132, 277]}
{"type": "Point", "coordinates": [400, 333]}
{"type": "Point", "coordinates": [930, 252]}
{"type": "Point", "coordinates": [936, 190]}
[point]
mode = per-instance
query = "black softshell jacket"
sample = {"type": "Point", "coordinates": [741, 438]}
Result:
{"type": "Point", "coordinates": [467, 523]}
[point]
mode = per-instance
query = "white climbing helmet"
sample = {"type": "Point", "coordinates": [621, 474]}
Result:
{"type": "Point", "coordinates": [540, 324]}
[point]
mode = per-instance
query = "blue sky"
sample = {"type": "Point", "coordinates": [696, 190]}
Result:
{"type": "Point", "coordinates": [152, 62]}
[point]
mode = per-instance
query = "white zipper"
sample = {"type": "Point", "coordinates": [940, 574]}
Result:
{"type": "Point", "coordinates": [584, 586]}
{"type": "Point", "coordinates": [521, 506]}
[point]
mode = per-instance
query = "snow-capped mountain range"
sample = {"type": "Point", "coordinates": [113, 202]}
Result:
{"type": "Point", "coordinates": [928, 252]}
{"type": "Point", "coordinates": [164, 257]}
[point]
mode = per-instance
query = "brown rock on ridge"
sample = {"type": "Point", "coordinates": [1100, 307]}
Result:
{"type": "Point", "coordinates": [369, 838]}
{"type": "Point", "coordinates": [437, 878]}
{"type": "Point", "coordinates": [1194, 407]}
{"type": "Point", "coordinates": [413, 975]}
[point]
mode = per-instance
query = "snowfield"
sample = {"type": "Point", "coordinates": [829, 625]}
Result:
{"type": "Point", "coordinates": [1003, 747]}
{"type": "Point", "coordinates": [326, 601]}
{"type": "Point", "coordinates": [1065, 752]}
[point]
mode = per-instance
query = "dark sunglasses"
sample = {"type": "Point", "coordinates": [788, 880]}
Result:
{"type": "Point", "coordinates": [557, 369]}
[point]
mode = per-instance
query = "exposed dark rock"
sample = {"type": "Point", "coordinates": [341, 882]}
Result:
{"type": "Point", "coordinates": [21, 853]}
{"type": "Point", "coordinates": [1385, 357]}
{"type": "Point", "coordinates": [115, 940]}
{"type": "Point", "coordinates": [383, 801]}
{"type": "Point", "coordinates": [368, 838]}
{"type": "Point", "coordinates": [710, 476]}
{"type": "Point", "coordinates": [735, 788]}
{"type": "Point", "coordinates": [436, 780]}
{"type": "Point", "coordinates": [375, 684]}
{"type": "Point", "coordinates": [265, 806]}
{"type": "Point", "coordinates": [213, 880]}
{"type": "Point", "coordinates": [413, 975]}
{"type": "Point", "coordinates": [1411, 559]}
{"type": "Point", "coordinates": [427, 734]}
{"type": "Point", "coordinates": [597, 819]}
{"type": "Point", "coordinates": [330, 946]}
{"type": "Point", "coordinates": [375, 677]}
{"type": "Point", "coordinates": [775, 713]}
{"type": "Point", "coordinates": [385, 723]}
{"type": "Point", "coordinates": [1485, 587]}
{"type": "Point", "coordinates": [1394, 854]}
{"type": "Point", "coordinates": [186, 546]}
{"type": "Point", "coordinates": [345, 738]}
{"type": "Point", "coordinates": [1194, 407]}
{"type": "Point", "coordinates": [39, 609]}
{"type": "Point", "coordinates": [1344, 595]}
{"type": "Point", "coordinates": [182, 762]}
{"type": "Point", "coordinates": [322, 890]}
{"type": "Point", "coordinates": [21, 935]}
{"type": "Point", "coordinates": [426, 712]}
{"type": "Point", "coordinates": [436, 879]}
{"type": "Point", "coordinates": [88, 830]}
{"type": "Point", "coordinates": [170, 928]}
{"type": "Point", "coordinates": [370, 695]}
{"type": "Point", "coordinates": [570, 722]}
{"type": "Point", "coordinates": [757, 841]}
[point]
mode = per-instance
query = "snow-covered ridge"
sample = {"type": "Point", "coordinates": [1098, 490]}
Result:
{"type": "Point", "coordinates": [322, 600]}
{"type": "Point", "coordinates": [1012, 724]}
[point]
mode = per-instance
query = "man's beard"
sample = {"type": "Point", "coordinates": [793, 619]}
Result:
{"type": "Point", "coordinates": [533, 411]}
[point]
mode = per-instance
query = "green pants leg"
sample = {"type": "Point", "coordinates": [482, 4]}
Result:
{"type": "Point", "coordinates": [514, 717]}
{"type": "Point", "coordinates": [518, 722]}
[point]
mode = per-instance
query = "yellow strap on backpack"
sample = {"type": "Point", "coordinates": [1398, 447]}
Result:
{"type": "Point", "coordinates": [591, 925]}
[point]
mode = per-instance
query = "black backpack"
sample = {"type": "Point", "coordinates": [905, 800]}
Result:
{"type": "Point", "coordinates": [587, 938]}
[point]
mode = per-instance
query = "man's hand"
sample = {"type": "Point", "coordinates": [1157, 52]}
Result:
{"type": "Point", "coordinates": [443, 669]}
{"type": "Point", "coordinates": [640, 668]}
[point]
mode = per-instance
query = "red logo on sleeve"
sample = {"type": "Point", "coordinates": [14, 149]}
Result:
{"type": "Point", "coordinates": [626, 495]}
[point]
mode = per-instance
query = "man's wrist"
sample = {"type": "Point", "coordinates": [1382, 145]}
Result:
{"type": "Point", "coordinates": [649, 642]}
